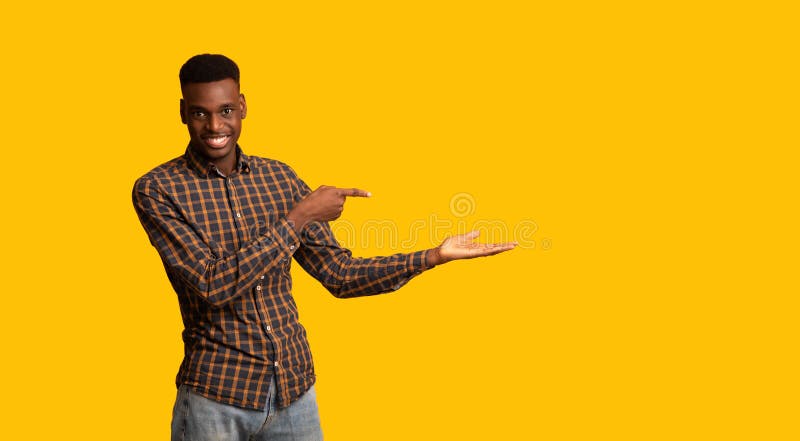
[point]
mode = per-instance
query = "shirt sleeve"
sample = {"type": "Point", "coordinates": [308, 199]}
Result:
{"type": "Point", "coordinates": [346, 276]}
{"type": "Point", "coordinates": [216, 279]}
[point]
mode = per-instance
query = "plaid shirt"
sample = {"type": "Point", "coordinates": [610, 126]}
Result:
{"type": "Point", "coordinates": [227, 250]}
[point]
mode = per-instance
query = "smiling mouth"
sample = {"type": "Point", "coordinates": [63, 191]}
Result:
{"type": "Point", "coordinates": [217, 141]}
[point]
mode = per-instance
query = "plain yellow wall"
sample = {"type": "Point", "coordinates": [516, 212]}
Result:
{"type": "Point", "coordinates": [653, 146]}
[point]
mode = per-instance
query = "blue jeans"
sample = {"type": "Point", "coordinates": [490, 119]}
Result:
{"type": "Point", "coordinates": [196, 418]}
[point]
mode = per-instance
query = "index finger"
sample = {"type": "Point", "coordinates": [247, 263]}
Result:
{"type": "Point", "coordinates": [355, 192]}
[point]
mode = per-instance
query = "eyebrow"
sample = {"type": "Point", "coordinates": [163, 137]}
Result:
{"type": "Point", "coordinates": [221, 106]}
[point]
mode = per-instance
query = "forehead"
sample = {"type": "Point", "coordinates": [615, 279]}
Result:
{"type": "Point", "coordinates": [211, 94]}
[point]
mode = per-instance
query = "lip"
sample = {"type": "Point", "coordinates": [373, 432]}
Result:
{"type": "Point", "coordinates": [209, 140]}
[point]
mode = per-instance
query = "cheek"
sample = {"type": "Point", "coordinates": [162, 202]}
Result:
{"type": "Point", "coordinates": [193, 129]}
{"type": "Point", "coordinates": [236, 127]}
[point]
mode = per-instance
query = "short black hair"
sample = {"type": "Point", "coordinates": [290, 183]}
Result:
{"type": "Point", "coordinates": [206, 68]}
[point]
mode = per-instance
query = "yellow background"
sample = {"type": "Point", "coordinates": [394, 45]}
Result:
{"type": "Point", "coordinates": [654, 144]}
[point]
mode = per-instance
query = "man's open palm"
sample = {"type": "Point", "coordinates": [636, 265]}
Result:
{"type": "Point", "coordinates": [464, 246]}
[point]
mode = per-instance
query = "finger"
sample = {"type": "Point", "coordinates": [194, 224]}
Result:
{"type": "Point", "coordinates": [354, 192]}
{"type": "Point", "coordinates": [502, 245]}
{"type": "Point", "coordinates": [471, 235]}
{"type": "Point", "coordinates": [493, 248]}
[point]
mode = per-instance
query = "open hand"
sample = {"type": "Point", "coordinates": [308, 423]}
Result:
{"type": "Point", "coordinates": [464, 246]}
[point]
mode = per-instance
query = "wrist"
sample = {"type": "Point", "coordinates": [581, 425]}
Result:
{"type": "Point", "coordinates": [297, 220]}
{"type": "Point", "coordinates": [434, 257]}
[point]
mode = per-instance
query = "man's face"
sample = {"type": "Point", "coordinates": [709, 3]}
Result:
{"type": "Point", "coordinates": [213, 112]}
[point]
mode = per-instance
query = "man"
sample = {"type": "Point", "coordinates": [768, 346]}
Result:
{"type": "Point", "coordinates": [227, 226]}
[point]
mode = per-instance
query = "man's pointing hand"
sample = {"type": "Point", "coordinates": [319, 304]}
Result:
{"type": "Point", "coordinates": [324, 204]}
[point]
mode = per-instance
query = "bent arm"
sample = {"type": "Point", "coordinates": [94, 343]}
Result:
{"type": "Point", "coordinates": [215, 278]}
{"type": "Point", "coordinates": [340, 273]}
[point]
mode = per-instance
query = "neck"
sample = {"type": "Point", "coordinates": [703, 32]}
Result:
{"type": "Point", "coordinates": [225, 165]}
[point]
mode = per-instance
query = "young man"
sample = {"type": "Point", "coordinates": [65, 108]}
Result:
{"type": "Point", "coordinates": [227, 226]}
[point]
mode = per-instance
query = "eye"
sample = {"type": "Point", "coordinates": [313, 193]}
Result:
{"type": "Point", "coordinates": [228, 111]}
{"type": "Point", "coordinates": [198, 114]}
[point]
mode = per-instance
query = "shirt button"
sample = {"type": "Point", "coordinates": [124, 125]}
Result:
{"type": "Point", "coordinates": [276, 364]}
{"type": "Point", "coordinates": [269, 328]}
{"type": "Point", "coordinates": [238, 214]}
{"type": "Point", "coordinates": [258, 288]}
{"type": "Point", "coordinates": [262, 277]}
{"type": "Point", "coordinates": [291, 247]}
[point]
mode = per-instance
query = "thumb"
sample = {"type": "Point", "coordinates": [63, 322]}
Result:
{"type": "Point", "coordinates": [472, 235]}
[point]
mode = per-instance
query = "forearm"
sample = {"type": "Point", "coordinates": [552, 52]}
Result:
{"type": "Point", "coordinates": [364, 280]}
{"type": "Point", "coordinates": [345, 276]}
{"type": "Point", "coordinates": [220, 280]}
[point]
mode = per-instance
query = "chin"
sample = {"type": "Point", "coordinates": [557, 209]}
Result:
{"type": "Point", "coordinates": [219, 153]}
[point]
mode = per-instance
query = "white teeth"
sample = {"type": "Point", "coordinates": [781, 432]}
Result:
{"type": "Point", "coordinates": [218, 140]}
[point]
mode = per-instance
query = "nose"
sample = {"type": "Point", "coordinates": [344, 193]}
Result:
{"type": "Point", "coordinates": [214, 123]}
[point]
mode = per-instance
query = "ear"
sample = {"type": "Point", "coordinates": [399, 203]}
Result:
{"type": "Point", "coordinates": [242, 105]}
{"type": "Point", "coordinates": [183, 111]}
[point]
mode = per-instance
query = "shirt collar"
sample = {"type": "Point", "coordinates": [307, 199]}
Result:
{"type": "Point", "coordinates": [205, 168]}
